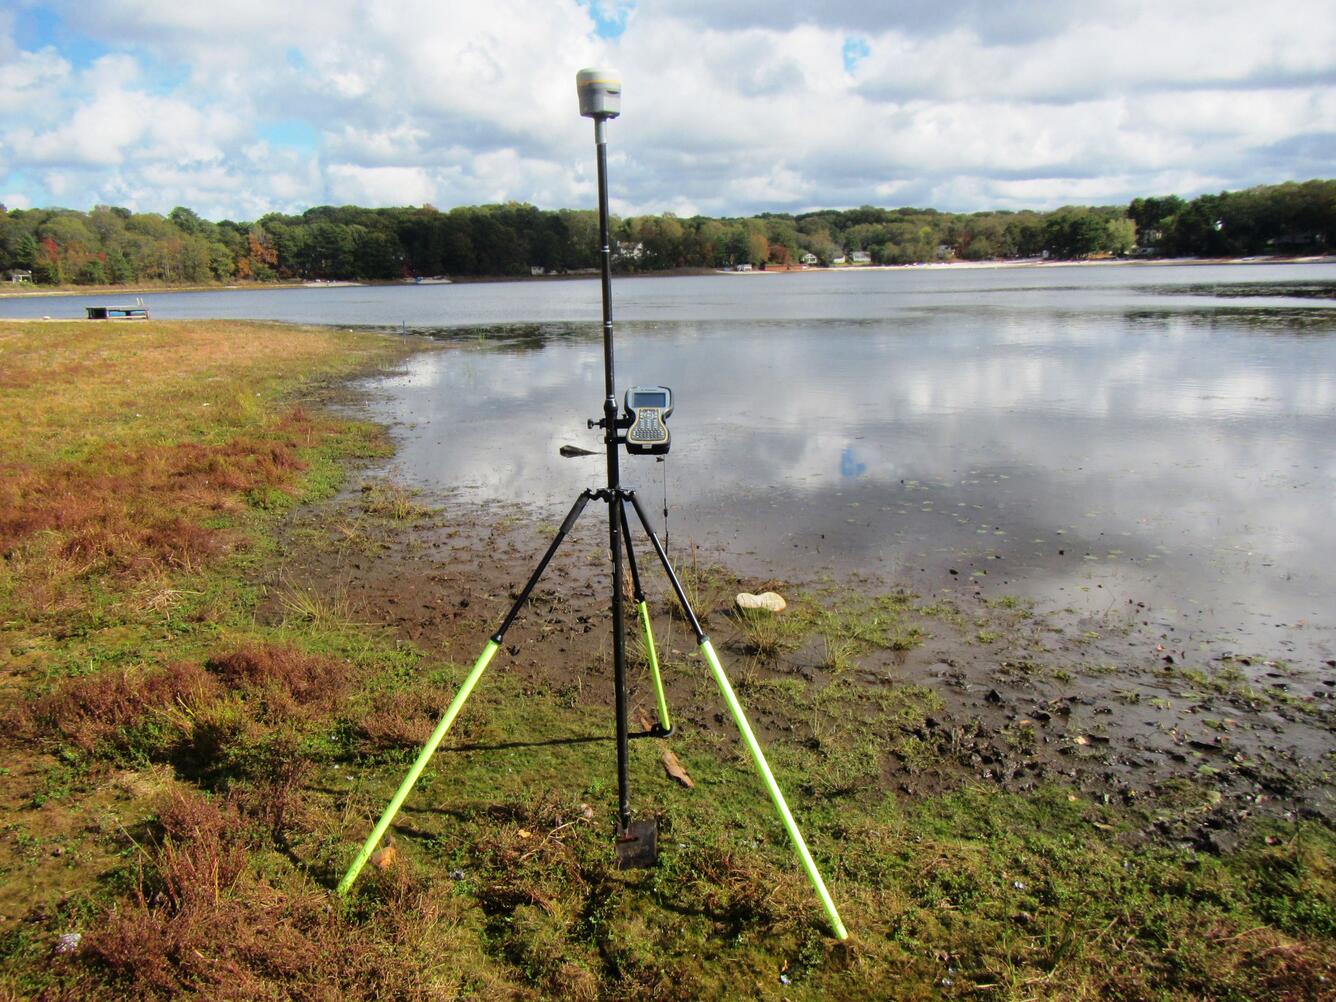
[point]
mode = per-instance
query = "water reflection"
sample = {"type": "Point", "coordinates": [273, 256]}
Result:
{"type": "Point", "coordinates": [1083, 456]}
{"type": "Point", "coordinates": [1092, 436]}
{"type": "Point", "coordinates": [1238, 290]}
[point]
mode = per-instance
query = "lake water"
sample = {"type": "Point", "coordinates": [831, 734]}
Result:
{"type": "Point", "coordinates": [1091, 436]}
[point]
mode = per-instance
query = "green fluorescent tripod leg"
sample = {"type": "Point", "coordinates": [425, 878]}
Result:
{"type": "Point", "coordinates": [423, 758]}
{"type": "Point", "coordinates": [653, 657]}
{"type": "Point", "coordinates": [776, 795]}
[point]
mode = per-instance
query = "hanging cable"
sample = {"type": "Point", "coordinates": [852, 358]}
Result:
{"type": "Point", "coordinates": [664, 461]}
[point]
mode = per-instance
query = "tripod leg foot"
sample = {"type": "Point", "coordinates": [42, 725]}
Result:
{"type": "Point", "coordinates": [776, 795]}
{"type": "Point", "coordinates": [665, 723]}
{"type": "Point", "coordinates": [423, 758]}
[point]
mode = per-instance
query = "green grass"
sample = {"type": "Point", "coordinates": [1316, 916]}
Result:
{"type": "Point", "coordinates": [207, 775]}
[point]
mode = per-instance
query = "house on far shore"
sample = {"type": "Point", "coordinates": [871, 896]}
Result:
{"type": "Point", "coordinates": [808, 259]}
{"type": "Point", "coordinates": [860, 257]}
{"type": "Point", "coordinates": [838, 260]}
{"type": "Point", "coordinates": [745, 266]}
{"type": "Point", "coordinates": [17, 276]}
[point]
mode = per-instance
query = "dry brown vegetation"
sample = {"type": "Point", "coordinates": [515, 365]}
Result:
{"type": "Point", "coordinates": [89, 711]}
{"type": "Point", "coordinates": [127, 447]}
{"type": "Point", "coordinates": [198, 923]}
{"type": "Point", "coordinates": [286, 683]}
{"type": "Point", "coordinates": [138, 461]}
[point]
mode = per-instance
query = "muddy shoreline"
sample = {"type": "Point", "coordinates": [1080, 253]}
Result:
{"type": "Point", "coordinates": [30, 291]}
{"type": "Point", "coordinates": [1120, 706]}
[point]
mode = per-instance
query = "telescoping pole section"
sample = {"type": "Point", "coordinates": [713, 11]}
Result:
{"type": "Point", "coordinates": [614, 481]}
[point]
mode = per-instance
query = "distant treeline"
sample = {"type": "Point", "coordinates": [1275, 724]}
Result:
{"type": "Point", "coordinates": [114, 245]}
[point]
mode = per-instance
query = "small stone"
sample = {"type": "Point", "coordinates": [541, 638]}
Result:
{"type": "Point", "coordinates": [68, 942]}
{"type": "Point", "coordinates": [767, 601]}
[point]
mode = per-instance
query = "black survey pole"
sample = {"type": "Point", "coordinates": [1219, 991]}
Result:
{"type": "Point", "coordinates": [615, 514]}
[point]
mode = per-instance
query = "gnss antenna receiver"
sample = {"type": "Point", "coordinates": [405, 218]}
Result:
{"type": "Point", "coordinates": [643, 430]}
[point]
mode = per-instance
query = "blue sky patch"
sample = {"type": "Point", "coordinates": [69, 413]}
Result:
{"type": "Point", "coordinates": [36, 28]}
{"type": "Point", "coordinates": [609, 16]}
{"type": "Point", "coordinates": [20, 183]}
{"type": "Point", "coordinates": [855, 51]}
{"type": "Point", "coordinates": [290, 133]}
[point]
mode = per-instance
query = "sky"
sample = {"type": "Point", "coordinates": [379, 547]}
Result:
{"type": "Point", "coordinates": [730, 107]}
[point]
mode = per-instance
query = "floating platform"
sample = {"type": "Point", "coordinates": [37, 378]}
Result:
{"type": "Point", "coordinates": [117, 312]}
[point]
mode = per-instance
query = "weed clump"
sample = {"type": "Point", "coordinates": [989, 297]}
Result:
{"type": "Point", "coordinates": [202, 921]}
{"type": "Point", "coordinates": [284, 683]}
{"type": "Point", "coordinates": [93, 712]}
{"type": "Point", "coordinates": [157, 943]}
{"type": "Point", "coordinates": [382, 499]}
{"type": "Point", "coordinates": [404, 718]}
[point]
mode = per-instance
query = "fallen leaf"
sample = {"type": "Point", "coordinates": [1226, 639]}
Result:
{"type": "Point", "coordinates": [524, 833]}
{"type": "Point", "coordinates": [642, 718]}
{"type": "Point", "coordinates": [675, 770]}
{"type": "Point", "coordinates": [383, 858]}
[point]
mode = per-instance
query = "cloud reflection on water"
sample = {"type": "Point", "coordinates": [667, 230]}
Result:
{"type": "Point", "coordinates": [1183, 458]}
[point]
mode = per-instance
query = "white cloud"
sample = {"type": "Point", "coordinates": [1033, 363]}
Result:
{"type": "Point", "coordinates": [402, 143]}
{"type": "Point", "coordinates": [728, 108]}
{"type": "Point", "coordinates": [26, 78]}
{"type": "Point", "coordinates": [351, 185]}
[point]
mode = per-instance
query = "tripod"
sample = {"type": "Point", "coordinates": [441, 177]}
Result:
{"type": "Point", "coordinates": [635, 840]}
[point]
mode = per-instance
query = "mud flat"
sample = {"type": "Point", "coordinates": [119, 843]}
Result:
{"type": "Point", "coordinates": [1114, 705]}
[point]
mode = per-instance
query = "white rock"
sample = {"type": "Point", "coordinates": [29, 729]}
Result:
{"type": "Point", "coordinates": [768, 601]}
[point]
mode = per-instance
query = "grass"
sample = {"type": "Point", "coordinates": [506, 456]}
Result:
{"type": "Point", "coordinates": [767, 634]}
{"type": "Point", "coordinates": [383, 499]}
{"type": "Point", "coordinates": [207, 776]}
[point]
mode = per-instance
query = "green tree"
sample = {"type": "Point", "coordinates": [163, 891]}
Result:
{"type": "Point", "coordinates": [93, 272]}
{"type": "Point", "coordinates": [1120, 236]}
{"type": "Point", "coordinates": [186, 220]}
{"type": "Point", "coordinates": [118, 267]}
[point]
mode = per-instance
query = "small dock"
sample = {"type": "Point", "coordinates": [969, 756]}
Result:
{"type": "Point", "coordinates": [138, 312]}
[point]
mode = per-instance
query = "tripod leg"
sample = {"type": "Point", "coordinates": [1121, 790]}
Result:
{"type": "Point", "coordinates": [776, 795]}
{"type": "Point", "coordinates": [457, 704]}
{"type": "Point", "coordinates": [651, 654]}
{"type": "Point", "coordinates": [748, 738]}
{"type": "Point", "coordinates": [423, 758]}
{"type": "Point", "coordinates": [665, 723]}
